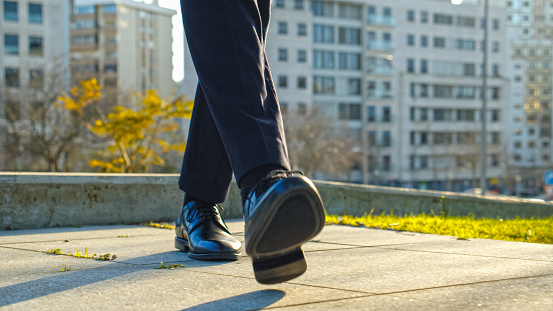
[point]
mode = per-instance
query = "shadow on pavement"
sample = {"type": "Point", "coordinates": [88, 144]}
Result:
{"type": "Point", "coordinates": [251, 301]}
{"type": "Point", "coordinates": [29, 290]}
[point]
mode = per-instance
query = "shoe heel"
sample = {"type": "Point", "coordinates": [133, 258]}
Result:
{"type": "Point", "coordinates": [181, 245]}
{"type": "Point", "coordinates": [279, 269]}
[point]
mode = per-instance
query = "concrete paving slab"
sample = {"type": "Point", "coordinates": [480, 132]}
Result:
{"type": "Point", "coordinates": [349, 268]}
{"type": "Point", "coordinates": [483, 247]}
{"type": "Point", "coordinates": [144, 288]}
{"type": "Point", "coordinates": [377, 303]}
{"type": "Point", "coordinates": [381, 270]}
{"type": "Point", "coordinates": [349, 235]}
{"type": "Point", "coordinates": [88, 232]}
{"type": "Point", "coordinates": [512, 294]}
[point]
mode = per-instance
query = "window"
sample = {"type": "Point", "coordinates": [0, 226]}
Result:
{"type": "Point", "coordinates": [10, 11]}
{"type": "Point", "coordinates": [109, 8]}
{"type": "Point", "coordinates": [302, 82]}
{"type": "Point", "coordinates": [348, 35]}
{"type": "Point", "coordinates": [424, 66]}
{"type": "Point", "coordinates": [322, 8]}
{"type": "Point", "coordinates": [495, 24]}
{"type": "Point", "coordinates": [349, 61]}
{"type": "Point", "coordinates": [354, 86]}
{"type": "Point", "coordinates": [282, 28]}
{"type": "Point", "coordinates": [84, 9]}
{"type": "Point", "coordinates": [84, 24]}
{"type": "Point", "coordinates": [36, 78]}
{"type": "Point", "coordinates": [302, 29]}
{"type": "Point", "coordinates": [283, 55]}
{"type": "Point", "coordinates": [298, 4]}
{"type": "Point", "coordinates": [323, 59]}
{"type": "Point", "coordinates": [110, 68]}
{"type": "Point", "coordinates": [439, 42]}
{"type": "Point", "coordinates": [11, 77]}
{"type": "Point", "coordinates": [11, 44]}
{"type": "Point", "coordinates": [495, 70]}
{"type": "Point", "coordinates": [371, 138]}
{"type": "Point", "coordinates": [349, 111]}
{"type": "Point", "coordinates": [349, 11]}
{"type": "Point", "coordinates": [323, 33]}
{"type": "Point", "coordinates": [424, 114]}
{"type": "Point", "coordinates": [424, 17]}
{"type": "Point", "coordinates": [283, 81]}
{"type": "Point", "coordinates": [85, 39]}
{"type": "Point", "coordinates": [35, 46]}
{"type": "Point", "coordinates": [442, 19]}
{"type": "Point", "coordinates": [424, 41]}
{"type": "Point", "coordinates": [465, 21]}
{"type": "Point", "coordinates": [410, 15]}
{"type": "Point", "coordinates": [323, 85]}
{"type": "Point", "coordinates": [386, 114]}
{"type": "Point", "coordinates": [386, 139]}
{"type": "Point", "coordinates": [495, 47]}
{"type": "Point", "coordinates": [279, 3]}
{"type": "Point", "coordinates": [302, 56]}
{"type": "Point", "coordinates": [410, 40]}
{"type": "Point", "coordinates": [371, 113]}
{"type": "Point", "coordinates": [35, 13]}
{"type": "Point", "coordinates": [410, 65]}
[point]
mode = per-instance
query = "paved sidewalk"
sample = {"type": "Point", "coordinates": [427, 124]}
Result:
{"type": "Point", "coordinates": [349, 268]}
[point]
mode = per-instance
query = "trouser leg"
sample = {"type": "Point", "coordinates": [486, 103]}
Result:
{"type": "Point", "coordinates": [227, 44]}
{"type": "Point", "coordinates": [206, 172]}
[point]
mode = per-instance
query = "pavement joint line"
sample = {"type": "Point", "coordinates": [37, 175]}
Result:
{"type": "Point", "coordinates": [78, 239]}
{"type": "Point", "coordinates": [394, 293]}
{"type": "Point", "coordinates": [470, 255]}
{"type": "Point", "coordinates": [361, 297]}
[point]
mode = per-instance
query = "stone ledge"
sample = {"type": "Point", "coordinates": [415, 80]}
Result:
{"type": "Point", "coordinates": [37, 200]}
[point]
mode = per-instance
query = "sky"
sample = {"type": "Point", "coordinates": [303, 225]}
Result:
{"type": "Point", "coordinates": [178, 37]}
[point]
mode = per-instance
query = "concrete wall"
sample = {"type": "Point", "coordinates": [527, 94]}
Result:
{"type": "Point", "coordinates": [35, 200]}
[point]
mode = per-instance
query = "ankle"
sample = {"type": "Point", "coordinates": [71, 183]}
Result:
{"type": "Point", "coordinates": [251, 178]}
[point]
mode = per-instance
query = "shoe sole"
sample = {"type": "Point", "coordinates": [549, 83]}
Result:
{"type": "Point", "coordinates": [183, 246]}
{"type": "Point", "coordinates": [293, 218]}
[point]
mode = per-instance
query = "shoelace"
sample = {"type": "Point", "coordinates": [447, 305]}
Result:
{"type": "Point", "coordinates": [270, 179]}
{"type": "Point", "coordinates": [205, 211]}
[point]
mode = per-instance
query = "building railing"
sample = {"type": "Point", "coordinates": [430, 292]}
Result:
{"type": "Point", "coordinates": [381, 20]}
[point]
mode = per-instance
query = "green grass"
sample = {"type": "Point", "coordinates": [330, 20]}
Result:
{"type": "Point", "coordinates": [532, 230]}
{"type": "Point", "coordinates": [79, 254]}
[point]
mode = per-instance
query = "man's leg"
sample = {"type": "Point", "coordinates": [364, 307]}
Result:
{"type": "Point", "coordinates": [206, 172]}
{"type": "Point", "coordinates": [205, 178]}
{"type": "Point", "coordinates": [283, 210]}
{"type": "Point", "coordinates": [226, 40]}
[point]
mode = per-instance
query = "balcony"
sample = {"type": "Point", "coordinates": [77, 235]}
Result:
{"type": "Point", "coordinates": [380, 94]}
{"type": "Point", "coordinates": [380, 70]}
{"type": "Point", "coordinates": [381, 20]}
{"type": "Point", "coordinates": [381, 45]}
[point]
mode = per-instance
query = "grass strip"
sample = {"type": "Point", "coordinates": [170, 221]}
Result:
{"type": "Point", "coordinates": [534, 230]}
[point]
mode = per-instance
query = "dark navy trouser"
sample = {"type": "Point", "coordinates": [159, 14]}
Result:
{"type": "Point", "coordinates": [236, 123]}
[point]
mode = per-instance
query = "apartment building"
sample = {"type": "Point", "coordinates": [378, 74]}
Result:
{"type": "Point", "coordinates": [34, 39]}
{"type": "Point", "coordinates": [405, 76]}
{"type": "Point", "coordinates": [530, 31]}
{"type": "Point", "coordinates": [34, 49]}
{"type": "Point", "coordinates": [126, 45]}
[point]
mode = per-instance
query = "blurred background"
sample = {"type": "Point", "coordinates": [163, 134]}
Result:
{"type": "Point", "coordinates": [446, 95]}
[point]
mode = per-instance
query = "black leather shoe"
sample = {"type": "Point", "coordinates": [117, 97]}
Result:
{"type": "Point", "coordinates": [202, 232]}
{"type": "Point", "coordinates": [282, 212]}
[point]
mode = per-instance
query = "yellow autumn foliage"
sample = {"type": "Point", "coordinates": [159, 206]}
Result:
{"type": "Point", "coordinates": [135, 133]}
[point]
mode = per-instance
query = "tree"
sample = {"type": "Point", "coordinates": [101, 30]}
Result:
{"type": "Point", "coordinates": [39, 135]}
{"type": "Point", "coordinates": [316, 147]}
{"type": "Point", "coordinates": [136, 137]}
